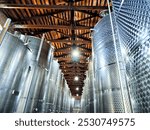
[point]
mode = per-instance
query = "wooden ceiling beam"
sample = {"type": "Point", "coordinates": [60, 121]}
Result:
{"type": "Point", "coordinates": [81, 75]}
{"type": "Point", "coordinates": [39, 16]}
{"type": "Point", "coordinates": [39, 32]}
{"type": "Point", "coordinates": [74, 72]}
{"type": "Point", "coordinates": [49, 7]}
{"type": "Point", "coordinates": [89, 12]}
{"type": "Point", "coordinates": [89, 50]}
{"type": "Point", "coordinates": [79, 84]}
{"type": "Point", "coordinates": [69, 77]}
{"type": "Point", "coordinates": [72, 24]}
{"type": "Point", "coordinates": [63, 55]}
{"type": "Point", "coordinates": [62, 33]}
{"type": "Point", "coordinates": [79, 81]}
{"type": "Point", "coordinates": [65, 51]}
{"type": "Point", "coordinates": [84, 38]}
{"type": "Point", "coordinates": [74, 63]}
{"type": "Point", "coordinates": [66, 75]}
{"type": "Point", "coordinates": [81, 67]}
{"type": "Point", "coordinates": [72, 79]}
{"type": "Point", "coordinates": [69, 41]}
{"type": "Point", "coordinates": [73, 85]}
{"type": "Point", "coordinates": [61, 38]}
{"type": "Point", "coordinates": [71, 65]}
{"type": "Point", "coordinates": [73, 91]}
{"type": "Point", "coordinates": [60, 18]}
{"type": "Point", "coordinates": [67, 1]}
{"type": "Point", "coordinates": [84, 33]}
{"type": "Point", "coordinates": [75, 69]}
{"type": "Point", "coordinates": [78, 36]}
{"type": "Point", "coordinates": [82, 53]}
{"type": "Point", "coordinates": [61, 49]}
{"type": "Point", "coordinates": [70, 58]}
{"type": "Point", "coordinates": [92, 16]}
{"type": "Point", "coordinates": [49, 30]}
{"type": "Point", "coordinates": [31, 26]}
{"type": "Point", "coordinates": [70, 62]}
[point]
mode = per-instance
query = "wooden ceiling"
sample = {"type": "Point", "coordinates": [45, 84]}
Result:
{"type": "Point", "coordinates": [66, 24]}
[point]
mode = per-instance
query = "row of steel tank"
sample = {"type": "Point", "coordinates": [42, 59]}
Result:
{"type": "Point", "coordinates": [121, 61]}
{"type": "Point", "coordinates": [30, 78]}
{"type": "Point", "coordinates": [88, 96]}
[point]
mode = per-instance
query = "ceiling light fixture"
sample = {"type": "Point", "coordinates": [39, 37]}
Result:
{"type": "Point", "coordinates": [77, 89]}
{"type": "Point", "coordinates": [75, 53]}
{"type": "Point", "coordinates": [76, 78]}
{"type": "Point", "coordinates": [77, 95]}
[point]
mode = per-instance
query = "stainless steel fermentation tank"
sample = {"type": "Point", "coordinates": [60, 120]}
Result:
{"type": "Point", "coordinates": [77, 106]}
{"type": "Point", "coordinates": [30, 80]}
{"type": "Point", "coordinates": [47, 96]}
{"type": "Point", "coordinates": [22, 74]}
{"type": "Point", "coordinates": [84, 98]}
{"type": "Point", "coordinates": [67, 99]}
{"type": "Point", "coordinates": [39, 59]}
{"type": "Point", "coordinates": [133, 25]}
{"type": "Point", "coordinates": [110, 86]}
{"type": "Point", "coordinates": [12, 57]}
{"type": "Point", "coordinates": [88, 98]}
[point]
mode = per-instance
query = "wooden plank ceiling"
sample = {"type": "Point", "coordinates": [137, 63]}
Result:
{"type": "Point", "coordinates": [66, 23]}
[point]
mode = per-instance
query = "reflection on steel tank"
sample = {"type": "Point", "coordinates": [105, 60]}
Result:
{"type": "Point", "coordinates": [133, 25]}
{"type": "Point", "coordinates": [88, 100]}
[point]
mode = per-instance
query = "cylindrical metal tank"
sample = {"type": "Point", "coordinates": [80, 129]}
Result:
{"type": "Point", "coordinates": [46, 88]}
{"type": "Point", "coordinates": [32, 82]}
{"type": "Point", "coordinates": [58, 92]}
{"type": "Point", "coordinates": [72, 100]}
{"type": "Point", "coordinates": [68, 103]}
{"type": "Point", "coordinates": [63, 95]}
{"type": "Point", "coordinates": [85, 102]}
{"type": "Point", "coordinates": [46, 101]}
{"type": "Point", "coordinates": [133, 27]}
{"type": "Point", "coordinates": [77, 106]}
{"type": "Point", "coordinates": [84, 98]}
{"type": "Point", "coordinates": [66, 99]}
{"type": "Point", "coordinates": [88, 97]}
{"type": "Point", "coordinates": [12, 55]}
{"type": "Point", "coordinates": [91, 88]}
{"type": "Point", "coordinates": [111, 94]}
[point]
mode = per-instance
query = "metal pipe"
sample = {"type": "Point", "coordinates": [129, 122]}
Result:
{"type": "Point", "coordinates": [40, 48]}
{"type": "Point", "coordinates": [93, 74]}
{"type": "Point", "coordinates": [117, 58]}
{"type": "Point", "coordinates": [46, 89]}
{"type": "Point", "coordinates": [5, 28]}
